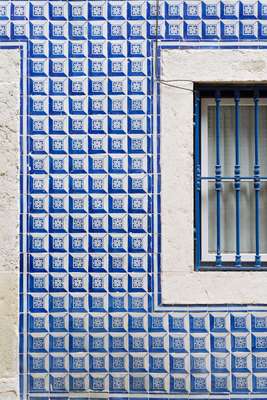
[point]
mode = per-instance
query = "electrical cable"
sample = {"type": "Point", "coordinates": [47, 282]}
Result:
{"type": "Point", "coordinates": [166, 83]}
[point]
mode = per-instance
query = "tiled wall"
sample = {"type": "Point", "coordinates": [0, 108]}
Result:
{"type": "Point", "coordinates": [87, 321]}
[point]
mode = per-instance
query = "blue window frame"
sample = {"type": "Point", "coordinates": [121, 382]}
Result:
{"type": "Point", "coordinates": [230, 174]}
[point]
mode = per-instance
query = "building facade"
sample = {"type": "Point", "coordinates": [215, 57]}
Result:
{"type": "Point", "coordinates": [119, 279]}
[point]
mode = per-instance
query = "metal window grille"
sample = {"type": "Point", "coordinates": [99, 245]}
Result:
{"type": "Point", "coordinates": [256, 96]}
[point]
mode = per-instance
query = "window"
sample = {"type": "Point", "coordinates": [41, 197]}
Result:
{"type": "Point", "coordinates": [231, 177]}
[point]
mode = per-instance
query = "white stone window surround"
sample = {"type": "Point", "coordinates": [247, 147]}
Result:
{"type": "Point", "coordinates": [203, 63]}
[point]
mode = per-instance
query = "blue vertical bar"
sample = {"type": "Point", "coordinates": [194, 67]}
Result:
{"type": "Point", "coordinates": [237, 180]}
{"type": "Point", "coordinates": [257, 180]}
{"type": "Point", "coordinates": [218, 183]}
{"type": "Point", "coordinates": [197, 182]}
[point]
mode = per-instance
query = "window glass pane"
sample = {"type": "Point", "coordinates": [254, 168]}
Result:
{"type": "Point", "coordinates": [227, 139]}
{"type": "Point", "coordinates": [246, 140]}
{"type": "Point", "coordinates": [227, 149]}
{"type": "Point", "coordinates": [263, 139]}
{"type": "Point", "coordinates": [211, 141]}
{"type": "Point", "coordinates": [247, 191]}
{"type": "Point", "coordinates": [227, 217]}
{"type": "Point", "coordinates": [247, 217]}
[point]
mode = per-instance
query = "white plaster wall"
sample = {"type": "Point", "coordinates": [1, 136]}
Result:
{"type": "Point", "coordinates": [180, 283]}
{"type": "Point", "coordinates": [9, 220]}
